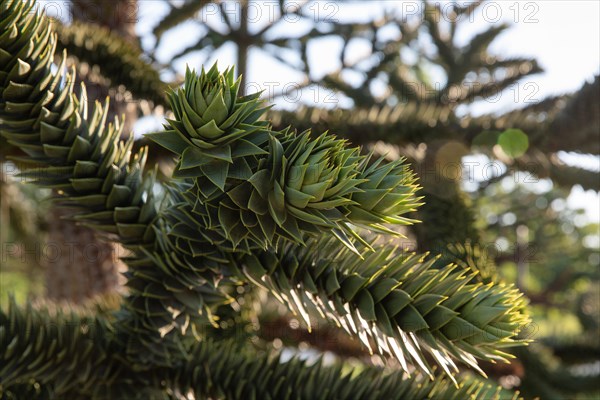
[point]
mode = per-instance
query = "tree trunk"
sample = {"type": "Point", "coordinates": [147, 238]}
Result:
{"type": "Point", "coordinates": [120, 16]}
{"type": "Point", "coordinates": [78, 265]}
{"type": "Point", "coordinates": [446, 215]}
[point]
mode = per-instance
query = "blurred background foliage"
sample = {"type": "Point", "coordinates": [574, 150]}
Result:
{"type": "Point", "coordinates": [496, 191]}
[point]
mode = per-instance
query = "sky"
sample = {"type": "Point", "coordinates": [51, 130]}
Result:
{"type": "Point", "coordinates": [564, 36]}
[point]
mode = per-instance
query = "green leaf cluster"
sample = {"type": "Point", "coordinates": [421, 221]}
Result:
{"type": "Point", "coordinates": [248, 204]}
{"type": "Point", "coordinates": [257, 186]}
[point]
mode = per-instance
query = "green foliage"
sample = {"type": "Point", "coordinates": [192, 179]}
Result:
{"type": "Point", "coordinates": [68, 150]}
{"type": "Point", "coordinates": [406, 307]}
{"type": "Point", "coordinates": [473, 257]}
{"type": "Point", "coordinates": [209, 118]}
{"type": "Point", "coordinates": [561, 282]}
{"type": "Point", "coordinates": [226, 371]}
{"type": "Point", "coordinates": [58, 355]}
{"type": "Point", "coordinates": [119, 60]}
{"type": "Point", "coordinates": [409, 122]}
{"type": "Point", "coordinates": [65, 349]}
{"type": "Point", "coordinates": [89, 167]}
{"type": "Point", "coordinates": [250, 177]}
{"type": "Point", "coordinates": [248, 204]}
{"type": "Point", "coordinates": [576, 126]}
{"type": "Point", "coordinates": [455, 210]}
{"type": "Point", "coordinates": [545, 377]}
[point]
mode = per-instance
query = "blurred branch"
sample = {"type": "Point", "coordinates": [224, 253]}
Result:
{"type": "Point", "coordinates": [541, 165]}
{"type": "Point", "coordinates": [118, 60]}
{"type": "Point", "coordinates": [323, 338]}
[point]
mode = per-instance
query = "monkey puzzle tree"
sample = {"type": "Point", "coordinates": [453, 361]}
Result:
{"type": "Point", "coordinates": [407, 118]}
{"type": "Point", "coordinates": [246, 205]}
{"type": "Point", "coordinates": [413, 110]}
